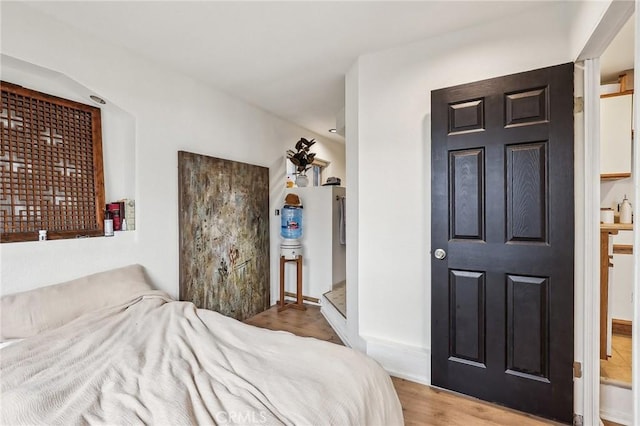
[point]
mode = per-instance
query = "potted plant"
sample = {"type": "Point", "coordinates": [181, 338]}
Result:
{"type": "Point", "coordinates": [302, 159]}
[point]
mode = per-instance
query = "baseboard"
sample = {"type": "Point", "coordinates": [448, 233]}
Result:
{"type": "Point", "coordinates": [335, 320]}
{"type": "Point", "coordinates": [622, 327]}
{"type": "Point", "coordinates": [404, 361]}
{"type": "Point", "coordinates": [616, 404]}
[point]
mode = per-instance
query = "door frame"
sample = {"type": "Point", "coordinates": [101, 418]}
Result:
{"type": "Point", "coordinates": [636, 240]}
{"type": "Point", "coordinates": [588, 309]}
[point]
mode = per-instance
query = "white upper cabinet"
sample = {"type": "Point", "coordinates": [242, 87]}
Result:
{"type": "Point", "coordinates": [615, 135]}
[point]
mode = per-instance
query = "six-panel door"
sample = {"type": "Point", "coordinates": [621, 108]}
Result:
{"type": "Point", "coordinates": [502, 209]}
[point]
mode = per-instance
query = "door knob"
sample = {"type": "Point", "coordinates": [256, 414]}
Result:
{"type": "Point", "coordinates": [440, 254]}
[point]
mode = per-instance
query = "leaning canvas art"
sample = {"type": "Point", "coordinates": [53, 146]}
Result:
{"type": "Point", "coordinates": [224, 234]}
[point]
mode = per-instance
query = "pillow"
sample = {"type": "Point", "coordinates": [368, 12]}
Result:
{"type": "Point", "coordinates": [31, 312]}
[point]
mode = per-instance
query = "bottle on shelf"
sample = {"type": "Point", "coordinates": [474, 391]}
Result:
{"type": "Point", "coordinates": [625, 211]}
{"type": "Point", "coordinates": [108, 224]}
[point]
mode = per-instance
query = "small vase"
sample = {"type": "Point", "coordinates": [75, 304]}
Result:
{"type": "Point", "coordinates": [302, 181]}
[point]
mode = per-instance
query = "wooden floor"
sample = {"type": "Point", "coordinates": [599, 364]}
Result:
{"type": "Point", "coordinates": [309, 323]}
{"type": "Point", "coordinates": [618, 367]}
{"type": "Point", "coordinates": [421, 405]}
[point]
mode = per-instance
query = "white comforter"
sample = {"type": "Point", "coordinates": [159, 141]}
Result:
{"type": "Point", "coordinates": [156, 361]}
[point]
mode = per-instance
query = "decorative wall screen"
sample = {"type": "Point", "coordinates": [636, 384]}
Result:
{"type": "Point", "coordinates": [51, 174]}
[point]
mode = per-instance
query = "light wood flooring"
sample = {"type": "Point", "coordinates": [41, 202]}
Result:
{"type": "Point", "coordinates": [309, 323]}
{"type": "Point", "coordinates": [421, 405]}
{"type": "Point", "coordinates": [338, 297]}
{"type": "Point", "coordinates": [618, 366]}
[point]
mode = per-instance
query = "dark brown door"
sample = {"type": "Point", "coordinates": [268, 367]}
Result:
{"type": "Point", "coordinates": [502, 211]}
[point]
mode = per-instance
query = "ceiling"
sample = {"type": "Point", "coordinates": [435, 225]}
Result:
{"type": "Point", "coordinates": [619, 55]}
{"type": "Point", "coordinates": [288, 58]}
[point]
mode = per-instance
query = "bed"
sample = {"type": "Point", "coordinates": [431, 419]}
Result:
{"type": "Point", "coordinates": [109, 349]}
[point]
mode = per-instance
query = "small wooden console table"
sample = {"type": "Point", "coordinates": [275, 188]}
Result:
{"type": "Point", "coordinates": [606, 229]}
{"type": "Point", "coordinates": [282, 305]}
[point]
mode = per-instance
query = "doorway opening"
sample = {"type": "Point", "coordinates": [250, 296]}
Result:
{"type": "Point", "coordinates": [323, 238]}
{"type": "Point", "coordinates": [617, 199]}
{"type": "Point", "coordinates": [616, 127]}
{"type": "Point", "coordinates": [602, 398]}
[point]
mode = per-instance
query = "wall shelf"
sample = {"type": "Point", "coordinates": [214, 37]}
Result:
{"type": "Point", "coordinates": [614, 176]}
{"type": "Point", "coordinates": [621, 93]}
{"type": "Point", "coordinates": [616, 227]}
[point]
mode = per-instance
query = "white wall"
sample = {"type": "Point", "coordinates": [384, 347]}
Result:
{"type": "Point", "coordinates": [585, 17]}
{"type": "Point", "coordinates": [334, 152]}
{"type": "Point", "coordinates": [393, 166]}
{"type": "Point", "coordinates": [171, 112]}
{"type": "Point", "coordinates": [612, 192]}
{"type": "Point", "coordinates": [352, 152]}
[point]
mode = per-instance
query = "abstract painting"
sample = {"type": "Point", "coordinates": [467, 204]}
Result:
{"type": "Point", "coordinates": [224, 234]}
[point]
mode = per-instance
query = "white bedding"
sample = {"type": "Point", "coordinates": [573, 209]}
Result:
{"type": "Point", "coordinates": [155, 361]}
{"type": "Point", "coordinates": [9, 343]}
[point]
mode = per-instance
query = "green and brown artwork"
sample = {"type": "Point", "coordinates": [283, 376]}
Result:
{"type": "Point", "coordinates": [224, 234]}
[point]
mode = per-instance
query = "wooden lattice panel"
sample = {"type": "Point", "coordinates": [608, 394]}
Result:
{"type": "Point", "coordinates": [51, 174]}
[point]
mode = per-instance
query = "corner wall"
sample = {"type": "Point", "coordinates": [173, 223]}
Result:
{"type": "Point", "coordinates": [172, 112]}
